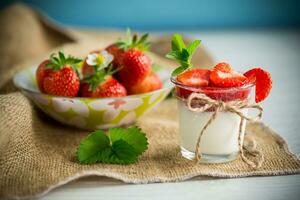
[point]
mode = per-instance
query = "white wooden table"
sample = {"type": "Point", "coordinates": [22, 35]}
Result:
{"type": "Point", "coordinates": [277, 51]}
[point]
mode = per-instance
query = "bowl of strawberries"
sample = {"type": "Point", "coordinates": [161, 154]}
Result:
{"type": "Point", "coordinates": [108, 88]}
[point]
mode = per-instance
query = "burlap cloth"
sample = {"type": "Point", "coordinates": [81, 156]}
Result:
{"type": "Point", "coordinates": [37, 153]}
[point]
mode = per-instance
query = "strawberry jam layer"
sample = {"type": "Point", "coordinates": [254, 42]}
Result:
{"type": "Point", "coordinates": [217, 93]}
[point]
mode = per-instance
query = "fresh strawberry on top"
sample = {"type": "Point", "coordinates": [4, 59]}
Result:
{"type": "Point", "coordinates": [184, 74]}
{"type": "Point", "coordinates": [194, 77]}
{"type": "Point", "coordinates": [101, 83]}
{"type": "Point", "coordinates": [150, 83]}
{"type": "Point", "coordinates": [58, 75]}
{"type": "Point", "coordinates": [263, 83]}
{"type": "Point", "coordinates": [224, 76]}
{"type": "Point", "coordinates": [134, 64]}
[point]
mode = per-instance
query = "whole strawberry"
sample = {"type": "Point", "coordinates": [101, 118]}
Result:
{"type": "Point", "coordinates": [109, 87]}
{"type": "Point", "coordinates": [100, 83]}
{"type": "Point", "coordinates": [150, 83]}
{"type": "Point", "coordinates": [58, 76]}
{"type": "Point", "coordinates": [135, 67]}
{"type": "Point", "coordinates": [130, 58]}
{"type": "Point", "coordinates": [41, 72]}
{"type": "Point", "coordinates": [117, 52]}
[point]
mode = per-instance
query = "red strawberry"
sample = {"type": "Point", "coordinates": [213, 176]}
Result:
{"type": "Point", "coordinates": [150, 83]}
{"type": "Point", "coordinates": [129, 58]}
{"type": "Point", "coordinates": [57, 76]}
{"type": "Point", "coordinates": [226, 94]}
{"type": "Point", "coordinates": [223, 76]}
{"type": "Point", "coordinates": [135, 67]}
{"type": "Point", "coordinates": [193, 78]}
{"type": "Point", "coordinates": [63, 82]}
{"type": "Point", "coordinates": [109, 87]}
{"type": "Point", "coordinates": [224, 67]}
{"type": "Point", "coordinates": [87, 69]}
{"type": "Point", "coordinates": [41, 73]}
{"type": "Point", "coordinates": [263, 83]}
{"type": "Point", "coordinates": [117, 53]}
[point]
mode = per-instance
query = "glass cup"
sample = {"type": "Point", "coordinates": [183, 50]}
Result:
{"type": "Point", "coordinates": [220, 140]}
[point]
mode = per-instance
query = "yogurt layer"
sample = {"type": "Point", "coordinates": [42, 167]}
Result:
{"type": "Point", "coordinates": [220, 137]}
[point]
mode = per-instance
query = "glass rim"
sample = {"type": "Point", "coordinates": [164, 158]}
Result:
{"type": "Point", "coordinates": [211, 88]}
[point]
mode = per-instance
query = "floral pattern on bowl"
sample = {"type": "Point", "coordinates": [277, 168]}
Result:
{"type": "Point", "coordinates": [92, 113]}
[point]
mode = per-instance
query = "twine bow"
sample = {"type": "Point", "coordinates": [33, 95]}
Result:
{"type": "Point", "coordinates": [235, 107]}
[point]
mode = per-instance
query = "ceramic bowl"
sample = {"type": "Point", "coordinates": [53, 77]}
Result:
{"type": "Point", "coordinates": [92, 113]}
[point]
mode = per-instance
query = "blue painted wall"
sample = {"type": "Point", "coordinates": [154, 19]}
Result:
{"type": "Point", "coordinates": [172, 14]}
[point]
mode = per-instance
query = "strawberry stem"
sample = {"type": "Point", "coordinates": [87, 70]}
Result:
{"type": "Point", "coordinates": [60, 61]}
{"type": "Point", "coordinates": [99, 76]}
{"type": "Point", "coordinates": [134, 42]}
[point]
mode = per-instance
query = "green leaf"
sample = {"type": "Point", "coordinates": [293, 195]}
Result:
{"type": "Point", "coordinates": [134, 42]}
{"type": "Point", "coordinates": [173, 55]}
{"type": "Point", "coordinates": [90, 147]}
{"type": "Point", "coordinates": [181, 53]}
{"type": "Point", "coordinates": [177, 42]}
{"type": "Point", "coordinates": [179, 70]}
{"type": "Point", "coordinates": [58, 62]}
{"type": "Point", "coordinates": [124, 152]}
{"type": "Point", "coordinates": [61, 57]}
{"type": "Point", "coordinates": [193, 46]}
{"type": "Point", "coordinates": [185, 55]}
{"type": "Point", "coordinates": [133, 136]}
{"type": "Point", "coordinates": [143, 38]}
{"type": "Point", "coordinates": [123, 146]}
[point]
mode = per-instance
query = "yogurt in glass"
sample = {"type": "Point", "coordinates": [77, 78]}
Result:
{"type": "Point", "coordinates": [220, 141]}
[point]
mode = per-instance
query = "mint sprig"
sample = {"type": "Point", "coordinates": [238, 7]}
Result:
{"type": "Point", "coordinates": [119, 146]}
{"type": "Point", "coordinates": [134, 42]}
{"type": "Point", "coordinates": [181, 53]}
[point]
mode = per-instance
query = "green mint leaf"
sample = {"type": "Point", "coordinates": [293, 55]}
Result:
{"type": "Point", "coordinates": [185, 55]}
{"type": "Point", "coordinates": [90, 147]}
{"type": "Point", "coordinates": [133, 136]}
{"type": "Point", "coordinates": [181, 53]}
{"type": "Point", "coordinates": [121, 146]}
{"type": "Point", "coordinates": [174, 55]}
{"type": "Point", "coordinates": [179, 70]}
{"type": "Point", "coordinates": [193, 46]}
{"type": "Point", "coordinates": [177, 42]}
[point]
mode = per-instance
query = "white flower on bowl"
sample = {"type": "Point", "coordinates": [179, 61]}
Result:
{"type": "Point", "coordinates": [64, 104]}
{"type": "Point", "coordinates": [114, 107]}
{"type": "Point", "coordinates": [101, 59]}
